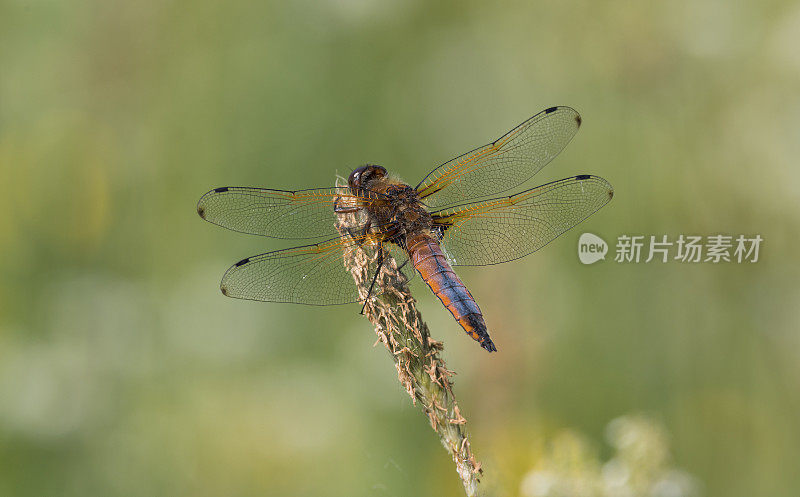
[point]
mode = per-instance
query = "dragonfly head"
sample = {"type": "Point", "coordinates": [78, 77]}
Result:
{"type": "Point", "coordinates": [363, 176]}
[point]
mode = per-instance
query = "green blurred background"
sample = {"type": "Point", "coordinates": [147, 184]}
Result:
{"type": "Point", "coordinates": [124, 371]}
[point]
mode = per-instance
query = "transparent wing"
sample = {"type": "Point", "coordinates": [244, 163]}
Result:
{"type": "Point", "coordinates": [312, 274]}
{"type": "Point", "coordinates": [503, 164]}
{"type": "Point", "coordinates": [507, 228]}
{"type": "Point", "coordinates": [304, 214]}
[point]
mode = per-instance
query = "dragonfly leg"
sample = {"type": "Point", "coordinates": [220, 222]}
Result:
{"type": "Point", "coordinates": [374, 278]}
{"type": "Point", "coordinates": [362, 236]}
{"type": "Point", "coordinates": [400, 268]}
{"type": "Point", "coordinates": [344, 210]}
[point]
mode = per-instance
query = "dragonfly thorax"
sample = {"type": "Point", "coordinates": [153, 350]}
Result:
{"type": "Point", "coordinates": [404, 214]}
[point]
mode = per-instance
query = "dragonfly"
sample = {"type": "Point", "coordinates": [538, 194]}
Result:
{"type": "Point", "coordinates": [462, 213]}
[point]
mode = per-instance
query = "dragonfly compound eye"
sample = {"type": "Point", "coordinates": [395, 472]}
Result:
{"type": "Point", "coordinates": [356, 176]}
{"type": "Point", "coordinates": [361, 176]}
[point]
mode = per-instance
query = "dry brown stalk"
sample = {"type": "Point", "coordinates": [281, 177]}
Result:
{"type": "Point", "coordinates": [420, 368]}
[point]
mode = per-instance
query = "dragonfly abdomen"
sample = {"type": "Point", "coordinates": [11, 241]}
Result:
{"type": "Point", "coordinates": [431, 263]}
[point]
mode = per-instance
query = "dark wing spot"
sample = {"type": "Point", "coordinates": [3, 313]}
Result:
{"type": "Point", "coordinates": [202, 212]}
{"type": "Point", "coordinates": [550, 110]}
{"type": "Point", "coordinates": [578, 120]}
{"type": "Point", "coordinates": [583, 176]}
{"type": "Point", "coordinates": [221, 190]}
{"type": "Point", "coordinates": [223, 290]}
{"type": "Point", "coordinates": [439, 226]}
{"type": "Point", "coordinates": [610, 194]}
{"type": "Point", "coordinates": [242, 262]}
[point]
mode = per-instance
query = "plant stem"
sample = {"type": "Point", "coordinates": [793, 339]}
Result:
{"type": "Point", "coordinates": [416, 355]}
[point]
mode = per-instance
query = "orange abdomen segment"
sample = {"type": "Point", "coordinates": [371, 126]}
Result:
{"type": "Point", "coordinates": [432, 265]}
